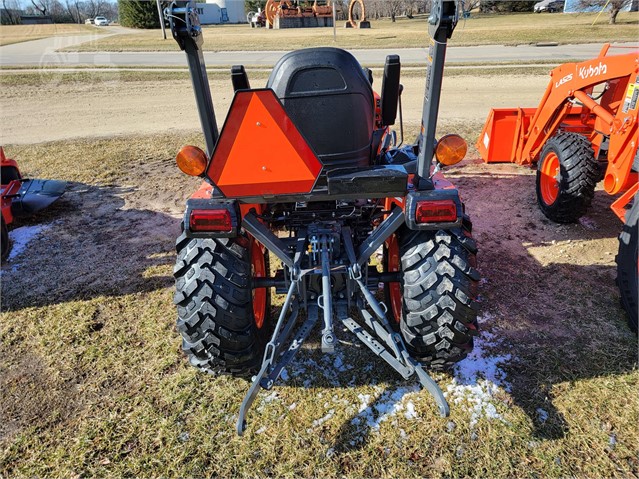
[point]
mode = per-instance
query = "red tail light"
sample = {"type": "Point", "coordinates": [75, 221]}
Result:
{"type": "Point", "coordinates": [210, 220]}
{"type": "Point", "coordinates": [436, 211]}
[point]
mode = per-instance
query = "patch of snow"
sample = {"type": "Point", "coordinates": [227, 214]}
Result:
{"type": "Point", "coordinates": [270, 398]}
{"type": "Point", "coordinates": [410, 411]}
{"type": "Point", "coordinates": [385, 407]}
{"type": "Point", "coordinates": [261, 430]}
{"type": "Point", "coordinates": [478, 378]}
{"type": "Point", "coordinates": [20, 238]}
{"type": "Point", "coordinates": [322, 420]}
{"type": "Point", "coordinates": [265, 400]}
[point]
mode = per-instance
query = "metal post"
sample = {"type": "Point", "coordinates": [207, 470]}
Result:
{"type": "Point", "coordinates": [334, 23]}
{"type": "Point", "coordinates": [161, 18]}
{"type": "Point", "coordinates": [442, 21]}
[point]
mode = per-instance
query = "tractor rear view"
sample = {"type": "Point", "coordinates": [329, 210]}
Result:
{"type": "Point", "coordinates": [584, 131]}
{"type": "Point", "coordinates": [308, 170]}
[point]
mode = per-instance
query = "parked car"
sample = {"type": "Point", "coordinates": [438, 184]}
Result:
{"type": "Point", "coordinates": [549, 6]}
{"type": "Point", "coordinates": [88, 21]}
{"type": "Point", "coordinates": [101, 22]}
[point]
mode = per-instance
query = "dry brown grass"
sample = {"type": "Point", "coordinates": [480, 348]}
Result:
{"type": "Point", "coordinates": [22, 33]}
{"type": "Point", "coordinates": [92, 382]}
{"type": "Point", "coordinates": [405, 33]}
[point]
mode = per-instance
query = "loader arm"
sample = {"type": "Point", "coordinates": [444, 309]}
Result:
{"type": "Point", "coordinates": [568, 104]}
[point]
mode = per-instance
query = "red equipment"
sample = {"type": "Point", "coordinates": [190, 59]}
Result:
{"type": "Point", "coordinates": [22, 197]}
{"type": "Point", "coordinates": [583, 131]}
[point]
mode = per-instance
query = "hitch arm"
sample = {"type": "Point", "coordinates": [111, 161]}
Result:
{"type": "Point", "coordinates": [187, 32]}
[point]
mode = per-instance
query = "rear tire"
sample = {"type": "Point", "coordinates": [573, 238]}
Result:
{"type": "Point", "coordinates": [567, 174]}
{"type": "Point", "coordinates": [627, 265]}
{"type": "Point", "coordinates": [438, 286]}
{"type": "Point", "coordinates": [222, 333]}
{"type": "Point", "coordinates": [5, 245]}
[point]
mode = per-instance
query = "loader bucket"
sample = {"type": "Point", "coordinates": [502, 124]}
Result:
{"type": "Point", "coordinates": [36, 195]}
{"type": "Point", "coordinates": [502, 133]}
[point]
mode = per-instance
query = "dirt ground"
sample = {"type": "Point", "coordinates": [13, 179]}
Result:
{"type": "Point", "coordinates": [54, 112]}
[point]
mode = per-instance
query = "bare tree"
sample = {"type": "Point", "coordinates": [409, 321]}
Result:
{"type": "Point", "coordinates": [41, 6]}
{"type": "Point", "coordinates": [411, 6]}
{"type": "Point", "coordinates": [73, 8]}
{"type": "Point", "coordinates": [394, 8]}
{"type": "Point", "coordinates": [10, 13]}
{"type": "Point", "coordinates": [468, 5]}
{"type": "Point", "coordinates": [614, 7]}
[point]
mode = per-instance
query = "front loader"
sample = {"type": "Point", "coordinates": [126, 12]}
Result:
{"type": "Point", "coordinates": [584, 131]}
{"type": "Point", "coordinates": [307, 169]}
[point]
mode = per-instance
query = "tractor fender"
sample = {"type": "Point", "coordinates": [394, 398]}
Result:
{"type": "Point", "coordinates": [443, 196]}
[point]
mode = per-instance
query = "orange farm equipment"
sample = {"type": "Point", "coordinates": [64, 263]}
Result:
{"type": "Point", "coordinates": [307, 169]}
{"type": "Point", "coordinates": [583, 131]}
{"type": "Point", "coordinates": [22, 197]}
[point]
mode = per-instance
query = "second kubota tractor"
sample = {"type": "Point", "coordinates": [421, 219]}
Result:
{"type": "Point", "coordinates": [307, 169]}
{"type": "Point", "coordinates": [583, 131]}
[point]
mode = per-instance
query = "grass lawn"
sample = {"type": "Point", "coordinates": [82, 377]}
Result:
{"type": "Point", "coordinates": [22, 33]}
{"type": "Point", "coordinates": [478, 30]}
{"type": "Point", "coordinates": [93, 383]}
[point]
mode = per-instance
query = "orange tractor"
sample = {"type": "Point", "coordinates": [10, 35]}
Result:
{"type": "Point", "coordinates": [307, 169]}
{"type": "Point", "coordinates": [583, 131]}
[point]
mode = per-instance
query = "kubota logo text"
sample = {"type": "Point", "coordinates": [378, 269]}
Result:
{"type": "Point", "coordinates": [591, 71]}
{"type": "Point", "coordinates": [565, 79]}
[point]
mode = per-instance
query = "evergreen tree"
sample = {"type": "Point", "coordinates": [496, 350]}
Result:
{"type": "Point", "coordinates": [138, 14]}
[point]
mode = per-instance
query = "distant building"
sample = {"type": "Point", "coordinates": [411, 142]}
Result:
{"type": "Point", "coordinates": [215, 12]}
{"type": "Point", "coordinates": [35, 19]}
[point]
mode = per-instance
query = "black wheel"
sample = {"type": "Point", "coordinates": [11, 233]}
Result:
{"type": "Point", "coordinates": [436, 302]}
{"type": "Point", "coordinates": [223, 321]}
{"type": "Point", "coordinates": [5, 245]}
{"type": "Point", "coordinates": [567, 174]}
{"type": "Point", "coordinates": [627, 265]}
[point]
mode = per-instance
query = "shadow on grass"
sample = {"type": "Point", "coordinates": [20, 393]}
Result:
{"type": "Point", "coordinates": [551, 292]}
{"type": "Point", "coordinates": [90, 245]}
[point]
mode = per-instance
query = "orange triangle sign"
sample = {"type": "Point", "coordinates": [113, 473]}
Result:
{"type": "Point", "coordinates": [260, 151]}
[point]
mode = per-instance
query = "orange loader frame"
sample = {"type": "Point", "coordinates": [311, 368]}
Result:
{"type": "Point", "coordinates": [573, 102]}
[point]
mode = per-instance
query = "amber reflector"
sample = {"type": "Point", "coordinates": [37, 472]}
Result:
{"type": "Point", "coordinates": [450, 150]}
{"type": "Point", "coordinates": [191, 160]}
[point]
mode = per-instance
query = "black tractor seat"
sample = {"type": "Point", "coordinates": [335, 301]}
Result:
{"type": "Point", "coordinates": [327, 95]}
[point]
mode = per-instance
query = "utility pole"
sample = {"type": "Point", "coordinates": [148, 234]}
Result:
{"type": "Point", "coordinates": [161, 18]}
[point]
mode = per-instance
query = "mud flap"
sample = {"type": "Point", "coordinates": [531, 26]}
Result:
{"type": "Point", "coordinates": [35, 195]}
